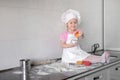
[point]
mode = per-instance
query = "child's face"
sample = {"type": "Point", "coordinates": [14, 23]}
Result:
{"type": "Point", "coordinates": [72, 24]}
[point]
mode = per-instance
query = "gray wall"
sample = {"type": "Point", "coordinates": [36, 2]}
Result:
{"type": "Point", "coordinates": [112, 24]}
{"type": "Point", "coordinates": [31, 28]}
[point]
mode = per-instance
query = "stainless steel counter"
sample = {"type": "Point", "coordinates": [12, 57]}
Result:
{"type": "Point", "coordinates": [58, 71]}
{"type": "Point", "coordinates": [71, 72]}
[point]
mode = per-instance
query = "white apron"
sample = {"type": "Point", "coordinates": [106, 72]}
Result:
{"type": "Point", "coordinates": [72, 55]}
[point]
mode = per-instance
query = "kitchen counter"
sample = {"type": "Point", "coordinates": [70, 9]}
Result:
{"type": "Point", "coordinates": [72, 72]}
{"type": "Point", "coordinates": [58, 71]}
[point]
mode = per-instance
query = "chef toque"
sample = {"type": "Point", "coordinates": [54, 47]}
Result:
{"type": "Point", "coordinates": [70, 14]}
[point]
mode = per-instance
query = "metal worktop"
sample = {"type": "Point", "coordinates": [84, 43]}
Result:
{"type": "Point", "coordinates": [74, 72]}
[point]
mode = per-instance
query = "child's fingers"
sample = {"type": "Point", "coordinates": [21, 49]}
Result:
{"type": "Point", "coordinates": [78, 34]}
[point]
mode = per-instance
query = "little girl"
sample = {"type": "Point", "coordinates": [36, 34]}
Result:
{"type": "Point", "coordinates": [69, 41]}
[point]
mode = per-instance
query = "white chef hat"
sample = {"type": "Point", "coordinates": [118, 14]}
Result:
{"type": "Point", "coordinates": [69, 14]}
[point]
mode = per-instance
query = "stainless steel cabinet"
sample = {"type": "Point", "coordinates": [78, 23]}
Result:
{"type": "Point", "coordinates": [115, 72]}
{"type": "Point", "coordinates": [101, 75]}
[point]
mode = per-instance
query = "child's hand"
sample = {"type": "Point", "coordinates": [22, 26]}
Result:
{"type": "Point", "coordinates": [78, 34]}
{"type": "Point", "coordinates": [73, 44]}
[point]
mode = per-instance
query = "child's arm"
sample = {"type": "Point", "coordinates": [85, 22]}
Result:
{"type": "Point", "coordinates": [64, 45]}
{"type": "Point", "coordinates": [63, 38]}
{"type": "Point", "coordinates": [79, 34]}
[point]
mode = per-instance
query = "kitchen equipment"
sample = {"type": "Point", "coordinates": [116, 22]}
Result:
{"type": "Point", "coordinates": [94, 47]}
{"type": "Point", "coordinates": [25, 66]}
